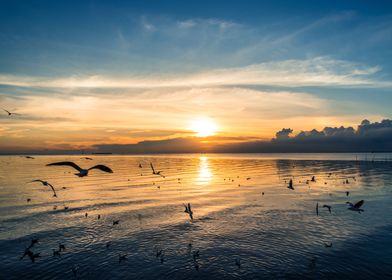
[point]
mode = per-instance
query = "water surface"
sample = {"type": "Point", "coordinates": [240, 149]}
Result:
{"type": "Point", "coordinates": [275, 236]}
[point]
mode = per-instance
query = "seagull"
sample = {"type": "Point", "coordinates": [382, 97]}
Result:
{"type": "Point", "coordinates": [116, 222]}
{"type": "Point", "coordinates": [45, 183]}
{"type": "Point", "coordinates": [61, 247]}
{"type": "Point", "coordinates": [82, 172]}
{"type": "Point", "coordinates": [30, 157]}
{"type": "Point", "coordinates": [189, 210]}
{"type": "Point", "coordinates": [347, 193]}
{"type": "Point", "coordinates": [327, 206]}
{"type": "Point", "coordinates": [313, 179]}
{"type": "Point", "coordinates": [86, 158]}
{"type": "Point", "coordinates": [156, 172]}
{"type": "Point", "coordinates": [10, 113]}
{"type": "Point", "coordinates": [140, 165]}
{"type": "Point", "coordinates": [86, 214]}
{"type": "Point", "coordinates": [317, 209]}
{"type": "Point", "coordinates": [28, 200]}
{"type": "Point", "coordinates": [99, 216]}
{"type": "Point", "coordinates": [291, 185]}
{"type": "Point", "coordinates": [356, 206]}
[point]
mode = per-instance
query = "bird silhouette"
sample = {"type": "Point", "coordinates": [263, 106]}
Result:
{"type": "Point", "coordinates": [82, 172]}
{"type": "Point", "coordinates": [156, 172]}
{"type": "Point", "coordinates": [327, 206]}
{"type": "Point", "coordinates": [356, 207]}
{"type": "Point", "coordinates": [188, 210]}
{"type": "Point", "coordinates": [45, 183]}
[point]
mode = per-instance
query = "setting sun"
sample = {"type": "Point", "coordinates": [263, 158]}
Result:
{"type": "Point", "coordinates": [204, 127]}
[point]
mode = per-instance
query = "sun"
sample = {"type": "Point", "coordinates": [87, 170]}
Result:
{"type": "Point", "coordinates": [203, 127]}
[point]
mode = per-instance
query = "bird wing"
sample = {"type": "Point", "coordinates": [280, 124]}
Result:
{"type": "Point", "coordinates": [67, 163]}
{"type": "Point", "coordinates": [54, 191]}
{"type": "Point", "coordinates": [37, 180]}
{"type": "Point", "coordinates": [189, 207]}
{"type": "Point", "coordinates": [7, 111]}
{"type": "Point", "coordinates": [359, 203]}
{"type": "Point", "coordinates": [102, 168]}
{"type": "Point", "coordinates": [152, 167]}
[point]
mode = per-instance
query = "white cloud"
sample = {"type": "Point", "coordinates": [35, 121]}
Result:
{"type": "Point", "coordinates": [319, 71]}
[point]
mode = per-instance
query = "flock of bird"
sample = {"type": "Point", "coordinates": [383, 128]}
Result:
{"type": "Point", "coordinates": [82, 172]}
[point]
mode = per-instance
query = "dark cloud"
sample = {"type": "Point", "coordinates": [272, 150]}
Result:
{"type": "Point", "coordinates": [368, 137]}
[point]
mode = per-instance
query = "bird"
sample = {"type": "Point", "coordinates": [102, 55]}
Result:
{"type": "Point", "coordinates": [248, 178]}
{"type": "Point", "coordinates": [291, 185]}
{"type": "Point", "coordinates": [82, 172]}
{"type": "Point", "coordinates": [188, 210]}
{"type": "Point", "coordinates": [86, 158]}
{"type": "Point", "coordinates": [347, 193]}
{"type": "Point", "coordinates": [10, 113]}
{"type": "Point", "coordinates": [99, 216]}
{"type": "Point", "coordinates": [45, 183]}
{"type": "Point", "coordinates": [313, 179]}
{"type": "Point", "coordinates": [156, 172]}
{"type": "Point", "coordinates": [61, 247]}
{"type": "Point", "coordinates": [116, 222]}
{"type": "Point", "coordinates": [28, 200]}
{"type": "Point", "coordinates": [356, 206]}
{"type": "Point", "coordinates": [317, 207]}
{"type": "Point", "coordinates": [86, 214]}
{"type": "Point", "coordinates": [140, 165]}
{"type": "Point", "coordinates": [122, 258]}
{"type": "Point", "coordinates": [29, 157]}
{"type": "Point", "coordinates": [238, 262]}
{"type": "Point", "coordinates": [327, 206]}
{"type": "Point", "coordinates": [30, 254]}
{"type": "Point", "coordinates": [328, 245]}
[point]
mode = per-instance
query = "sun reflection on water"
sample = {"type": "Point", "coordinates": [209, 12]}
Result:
{"type": "Point", "coordinates": [205, 174]}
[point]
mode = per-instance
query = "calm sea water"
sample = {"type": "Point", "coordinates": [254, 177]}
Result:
{"type": "Point", "coordinates": [274, 236]}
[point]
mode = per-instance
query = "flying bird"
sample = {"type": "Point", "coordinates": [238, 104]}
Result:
{"type": "Point", "coordinates": [45, 183]}
{"type": "Point", "coordinates": [10, 113]}
{"type": "Point", "coordinates": [82, 172]}
{"type": "Point", "coordinates": [188, 210]}
{"type": "Point", "coordinates": [291, 185]}
{"type": "Point", "coordinates": [156, 172]}
{"type": "Point", "coordinates": [356, 206]}
{"type": "Point", "coordinates": [327, 206]}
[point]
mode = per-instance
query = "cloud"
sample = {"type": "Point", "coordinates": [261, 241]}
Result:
{"type": "Point", "coordinates": [318, 71]}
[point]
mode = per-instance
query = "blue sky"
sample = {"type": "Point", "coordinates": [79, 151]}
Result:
{"type": "Point", "coordinates": [336, 53]}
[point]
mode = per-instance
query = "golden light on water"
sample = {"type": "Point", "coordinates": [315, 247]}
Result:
{"type": "Point", "coordinates": [204, 127]}
{"type": "Point", "coordinates": [205, 174]}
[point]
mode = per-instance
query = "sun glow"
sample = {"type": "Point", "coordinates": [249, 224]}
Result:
{"type": "Point", "coordinates": [204, 127]}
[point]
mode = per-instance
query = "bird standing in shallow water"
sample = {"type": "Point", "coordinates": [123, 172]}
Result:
{"type": "Point", "coordinates": [82, 172]}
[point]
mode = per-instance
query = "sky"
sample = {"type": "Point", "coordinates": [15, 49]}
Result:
{"type": "Point", "coordinates": [85, 74]}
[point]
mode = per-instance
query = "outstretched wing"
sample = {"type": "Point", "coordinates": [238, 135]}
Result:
{"type": "Point", "coordinates": [54, 191]}
{"type": "Point", "coordinates": [8, 112]}
{"type": "Point", "coordinates": [359, 203]}
{"type": "Point", "coordinates": [37, 180]}
{"type": "Point", "coordinates": [66, 163]}
{"type": "Point", "coordinates": [152, 167]}
{"type": "Point", "coordinates": [102, 168]}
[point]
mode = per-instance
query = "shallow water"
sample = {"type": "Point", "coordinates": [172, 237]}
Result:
{"type": "Point", "coordinates": [275, 236]}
